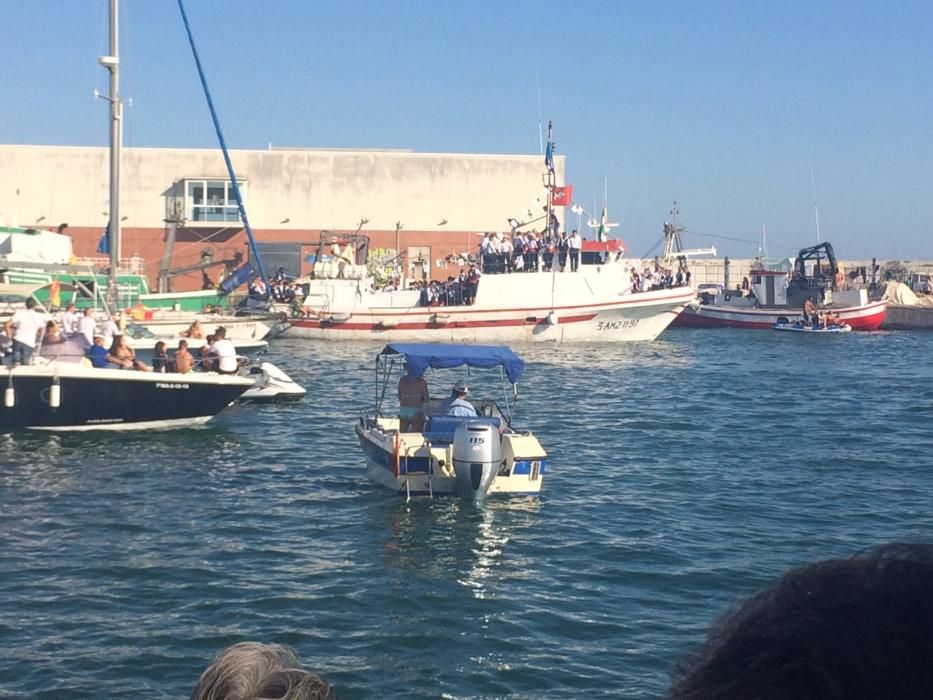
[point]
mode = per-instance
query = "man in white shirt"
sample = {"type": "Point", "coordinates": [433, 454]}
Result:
{"type": "Point", "coordinates": [225, 352]}
{"type": "Point", "coordinates": [576, 243]}
{"type": "Point", "coordinates": [109, 328]}
{"type": "Point", "coordinates": [24, 329]}
{"type": "Point", "coordinates": [456, 404]}
{"type": "Point", "coordinates": [505, 254]}
{"type": "Point", "coordinates": [87, 326]}
{"type": "Point", "coordinates": [69, 321]}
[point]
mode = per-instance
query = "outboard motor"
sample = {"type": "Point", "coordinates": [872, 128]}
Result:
{"type": "Point", "coordinates": [477, 453]}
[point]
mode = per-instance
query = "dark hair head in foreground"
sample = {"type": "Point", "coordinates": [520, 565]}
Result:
{"type": "Point", "coordinates": [853, 628]}
{"type": "Point", "coordinates": [254, 671]}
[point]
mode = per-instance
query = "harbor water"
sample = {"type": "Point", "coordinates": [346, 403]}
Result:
{"type": "Point", "coordinates": [684, 475]}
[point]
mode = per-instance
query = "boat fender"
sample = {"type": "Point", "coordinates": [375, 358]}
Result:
{"type": "Point", "coordinates": [552, 319]}
{"type": "Point", "coordinates": [55, 393]}
{"type": "Point", "coordinates": [9, 396]}
{"type": "Point", "coordinates": [782, 319]}
{"type": "Point", "coordinates": [728, 297]}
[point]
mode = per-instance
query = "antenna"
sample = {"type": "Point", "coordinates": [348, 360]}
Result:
{"type": "Point", "coordinates": [540, 127]}
{"type": "Point", "coordinates": [816, 209]}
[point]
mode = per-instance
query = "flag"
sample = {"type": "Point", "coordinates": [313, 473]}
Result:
{"type": "Point", "coordinates": [562, 196]}
{"type": "Point", "coordinates": [549, 151]}
{"type": "Point", "coordinates": [104, 245]}
{"type": "Point", "coordinates": [55, 293]}
{"type": "Point", "coordinates": [603, 233]}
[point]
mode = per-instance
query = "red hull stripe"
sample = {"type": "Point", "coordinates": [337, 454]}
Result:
{"type": "Point", "coordinates": [350, 326]}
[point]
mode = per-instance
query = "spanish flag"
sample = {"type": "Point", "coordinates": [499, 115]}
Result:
{"type": "Point", "coordinates": [55, 293]}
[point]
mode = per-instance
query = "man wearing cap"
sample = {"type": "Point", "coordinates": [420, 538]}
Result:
{"type": "Point", "coordinates": [97, 353]}
{"type": "Point", "coordinates": [457, 405]}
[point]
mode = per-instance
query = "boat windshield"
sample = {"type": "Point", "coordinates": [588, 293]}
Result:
{"type": "Point", "coordinates": [391, 361]}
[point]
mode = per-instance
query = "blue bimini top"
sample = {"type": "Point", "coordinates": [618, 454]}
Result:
{"type": "Point", "coordinates": [441, 356]}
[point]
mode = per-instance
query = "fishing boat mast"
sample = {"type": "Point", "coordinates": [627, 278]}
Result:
{"type": "Point", "coordinates": [112, 63]}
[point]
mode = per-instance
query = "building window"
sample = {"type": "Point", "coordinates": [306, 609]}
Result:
{"type": "Point", "coordinates": [210, 201]}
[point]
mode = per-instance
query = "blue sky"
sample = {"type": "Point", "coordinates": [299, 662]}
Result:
{"type": "Point", "coordinates": [721, 106]}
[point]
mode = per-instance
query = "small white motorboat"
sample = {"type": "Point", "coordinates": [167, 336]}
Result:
{"type": "Point", "coordinates": [801, 327]}
{"type": "Point", "coordinates": [272, 385]}
{"type": "Point", "coordinates": [451, 454]}
{"type": "Point", "coordinates": [143, 340]}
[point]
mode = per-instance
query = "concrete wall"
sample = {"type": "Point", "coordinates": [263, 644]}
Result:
{"type": "Point", "coordinates": [291, 196]}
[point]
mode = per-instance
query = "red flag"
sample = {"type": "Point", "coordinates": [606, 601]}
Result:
{"type": "Point", "coordinates": [562, 196]}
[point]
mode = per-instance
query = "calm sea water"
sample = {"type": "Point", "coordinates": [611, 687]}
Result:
{"type": "Point", "coordinates": [685, 474]}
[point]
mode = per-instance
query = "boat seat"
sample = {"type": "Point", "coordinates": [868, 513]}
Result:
{"type": "Point", "coordinates": [440, 429]}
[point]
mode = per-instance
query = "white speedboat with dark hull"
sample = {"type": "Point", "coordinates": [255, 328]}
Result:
{"type": "Point", "coordinates": [58, 395]}
{"type": "Point", "coordinates": [469, 456]}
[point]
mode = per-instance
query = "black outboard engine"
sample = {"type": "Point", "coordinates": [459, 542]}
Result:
{"type": "Point", "coordinates": [477, 453]}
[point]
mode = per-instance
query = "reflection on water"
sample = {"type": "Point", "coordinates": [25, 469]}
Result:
{"type": "Point", "coordinates": [450, 537]}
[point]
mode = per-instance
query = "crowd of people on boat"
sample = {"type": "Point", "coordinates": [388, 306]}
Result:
{"type": "Point", "coordinates": [459, 290]}
{"type": "Point", "coordinates": [70, 334]}
{"type": "Point", "coordinates": [281, 289]}
{"type": "Point", "coordinates": [818, 318]}
{"type": "Point", "coordinates": [654, 277]}
{"type": "Point", "coordinates": [530, 251]}
{"type": "Point", "coordinates": [413, 397]}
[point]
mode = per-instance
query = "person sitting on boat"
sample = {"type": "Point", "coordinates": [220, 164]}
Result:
{"type": "Point", "coordinates": [184, 360]}
{"type": "Point", "coordinates": [97, 353]}
{"type": "Point", "coordinates": [194, 331]}
{"type": "Point", "coordinates": [224, 350]}
{"type": "Point", "coordinates": [457, 405]}
{"type": "Point", "coordinates": [160, 358]}
{"type": "Point", "coordinates": [809, 311]}
{"type": "Point", "coordinates": [206, 356]}
{"type": "Point", "coordinates": [53, 333]}
{"type": "Point", "coordinates": [412, 395]}
{"type": "Point", "coordinates": [123, 356]}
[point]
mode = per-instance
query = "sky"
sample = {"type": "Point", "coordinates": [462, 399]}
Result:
{"type": "Point", "coordinates": [753, 116]}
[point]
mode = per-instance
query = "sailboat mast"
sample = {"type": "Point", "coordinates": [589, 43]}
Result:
{"type": "Point", "coordinates": [112, 64]}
